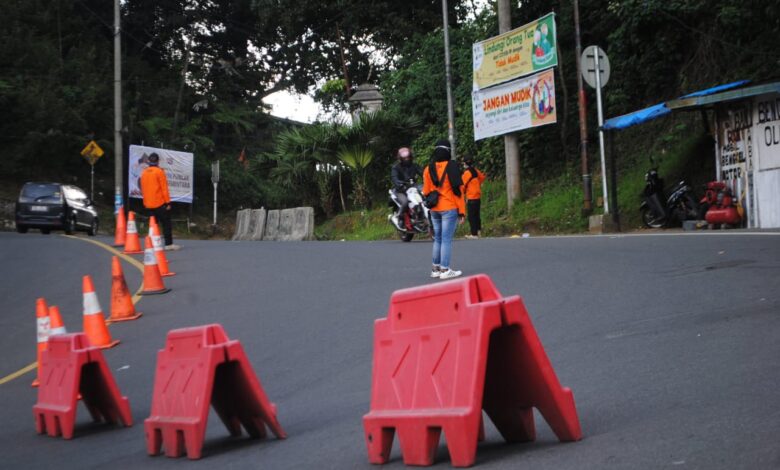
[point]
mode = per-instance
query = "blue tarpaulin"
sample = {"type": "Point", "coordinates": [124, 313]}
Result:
{"type": "Point", "coordinates": [658, 110]}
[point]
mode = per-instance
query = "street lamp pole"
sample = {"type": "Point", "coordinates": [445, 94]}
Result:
{"type": "Point", "coordinates": [448, 70]}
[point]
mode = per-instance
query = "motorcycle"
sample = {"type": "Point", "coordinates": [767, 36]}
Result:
{"type": "Point", "coordinates": [414, 220]}
{"type": "Point", "coordinates": [660, 211]}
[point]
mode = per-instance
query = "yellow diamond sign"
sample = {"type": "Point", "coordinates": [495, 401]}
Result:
{"type": "Point", "coordinates": [92, 152]}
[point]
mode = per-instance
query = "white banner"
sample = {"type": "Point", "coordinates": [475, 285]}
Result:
{"type": "Point", "coordinates": [513, 106]}
{"type": "Point", "coordinates": [178, 167]}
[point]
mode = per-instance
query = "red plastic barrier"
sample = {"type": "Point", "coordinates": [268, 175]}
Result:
{"type": "Point", "coordinates": [71, 366]}
{"type": "Point", "coordinates": [201, 366]}
{"type": "Point", "coordinates": [445, 352]}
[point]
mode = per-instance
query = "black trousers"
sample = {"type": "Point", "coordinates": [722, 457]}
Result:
{"type": "Point", "coordinates": [163, 217]}
{"type": "Point", "coordinates": [472, 206]}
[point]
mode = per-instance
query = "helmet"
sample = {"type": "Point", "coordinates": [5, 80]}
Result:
{"type": "Point", "coordinates": [404, 154]}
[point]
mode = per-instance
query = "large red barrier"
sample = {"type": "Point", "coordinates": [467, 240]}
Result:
{"type": "Point", "coordinates": [444, 353]}
{"type": "Point", "coordinates": [201, 366]}
{"type": "Point", "coordinates": [71, 367]}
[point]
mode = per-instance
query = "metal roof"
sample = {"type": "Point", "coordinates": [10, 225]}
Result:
{"type": "Point", "coordinates": [662, 109]}
{"type": "Point", "coordinates": [682, 104]}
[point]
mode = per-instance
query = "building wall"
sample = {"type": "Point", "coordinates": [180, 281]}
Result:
{"type": "Point", "coordinates": [748, 156]}
{"type": "Point", "coordinates": [767, 146]}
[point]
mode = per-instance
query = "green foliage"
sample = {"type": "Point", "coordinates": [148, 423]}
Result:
{"type": "Point", "coordinates": [357, 159]}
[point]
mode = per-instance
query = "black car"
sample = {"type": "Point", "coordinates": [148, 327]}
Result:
{"type": "Point", "coordinates": [48, 206]}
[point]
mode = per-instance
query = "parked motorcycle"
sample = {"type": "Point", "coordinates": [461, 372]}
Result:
{"type": "Point", "coordinates": [414, 220]}
{"type": "Point", "coordinates": [659, 210]}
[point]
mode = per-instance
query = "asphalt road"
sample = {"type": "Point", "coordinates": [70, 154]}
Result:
{"type": "Point", "coordinates": [669, 342]}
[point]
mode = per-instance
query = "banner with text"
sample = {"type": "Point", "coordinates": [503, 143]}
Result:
{"type": "Point", "coordinates": [516, 53]}
{"type": "Point", "coordinates": [178, 167]}
{"type": "Point", "coordinates": [527, 102]}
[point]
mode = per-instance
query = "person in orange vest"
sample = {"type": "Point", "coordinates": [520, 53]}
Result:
{"type": "Point", "coordinates": [442, 176]}
{"type": "Point", "coordinates": [472, 180]}
{"type": "Point", "coordinates": [157, 200]}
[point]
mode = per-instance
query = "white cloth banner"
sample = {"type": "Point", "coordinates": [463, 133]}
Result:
{"type": "Point", "coordinates": [178, 167]}
{"type": "Point", "coordinates": [513, 106]}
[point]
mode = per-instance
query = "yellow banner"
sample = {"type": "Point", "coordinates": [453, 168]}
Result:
{"type": "Point", "coordinates": [516, 53]}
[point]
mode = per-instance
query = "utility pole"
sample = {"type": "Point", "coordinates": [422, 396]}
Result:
{"type": "Point", "coordinates": [118, 149]}
{"type": "Point", "coordinates": [586, 178]}
{"type": "Point", "coordinates": [511, 151]}
{"type": "Point", "coordinates": [448, 70]}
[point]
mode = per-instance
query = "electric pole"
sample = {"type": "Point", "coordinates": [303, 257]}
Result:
{"type": "Point", "coordinates": [511, 151]}
{"type": "Point", "coordinates": [118, 149]}
{"type": "Point", "coordinates": [586, 178]}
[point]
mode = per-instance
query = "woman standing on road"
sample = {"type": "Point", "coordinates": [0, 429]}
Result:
{"type": "Point", "coordinates": [442, 175]}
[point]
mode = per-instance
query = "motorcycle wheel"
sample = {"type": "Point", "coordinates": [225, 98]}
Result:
{"type": "Point", "coordinates": [650, 220]}
{"type": "Point", "coordinates": [405, 236]}
{"type": "Point", "coordinates": [691, 207]}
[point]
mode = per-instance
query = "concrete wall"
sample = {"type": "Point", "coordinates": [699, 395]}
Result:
{"type": "Point", "coordinates": [285, 225]}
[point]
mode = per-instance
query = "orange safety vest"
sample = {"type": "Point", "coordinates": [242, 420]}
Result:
{"type": "Point", "coordinates": [447, 199]}
{"type": "Point", "coordinates": [473, 184]}
{"type": "Point", "coordinates": [154, 187]}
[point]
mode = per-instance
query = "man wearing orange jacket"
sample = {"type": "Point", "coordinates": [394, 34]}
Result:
{"type": "Point", "coordinates": [472, 180]}
{"type": "Point", "coordinates": [157, 200]}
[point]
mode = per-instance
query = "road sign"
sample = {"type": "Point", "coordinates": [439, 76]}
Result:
{"type": "Point", "coordinates": [588, 63]}
{"type": "Point", "coordinates": [92, 152]}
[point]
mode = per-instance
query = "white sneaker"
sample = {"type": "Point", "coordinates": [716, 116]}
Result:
{"type": "Point", "coordinates": [471, 237]}
{"type": "Point", "coordinates": [435, 273]}
{"type": "Point", "coordinates": [396, 222]}
{"type": "Point", "coordinates": [172, 247]}
{"type": "Point", "coordinates": [449, 274]}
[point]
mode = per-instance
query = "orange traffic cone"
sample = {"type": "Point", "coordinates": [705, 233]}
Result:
{"type": "Point", "coordinates": [121, 228]}
{"type": "Point", "coordinates": [122, 308]}
{"type": "Point", "coordinates": [153, 283]}
{"type": "Point", "coordinates": [159, 252]}
{"type": "Point", "coordinates": [43, 329]}
{"type": "Point", "coordinates": [55, 322]}
{"type": "Point", "coordinates": [94, 321]}
{"type": "Point", "coordinates": [152, 224]}
{"type": "Point", "coordinates": [132, 242]}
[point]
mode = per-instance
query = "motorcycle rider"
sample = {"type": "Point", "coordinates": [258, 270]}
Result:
{"type": "Point", "coordinates": [402, 173]}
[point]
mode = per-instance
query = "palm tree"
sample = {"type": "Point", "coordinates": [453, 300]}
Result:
{"type": "Point", "coordinates": [357, 159]}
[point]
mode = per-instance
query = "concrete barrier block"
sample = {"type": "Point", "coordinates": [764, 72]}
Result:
{"type": "Point", "coordinates": [258, 215]}
{"type": "Point", "coordinates": [242, 224]}
{"type": "Point", "coordinates": [286, 222]}
{"type": "Point", "coordinates": [271, 225]}
{"type": "Point", "coordinates": [303, 226]}
{"type": "Point", "coordinates": [250, 226]}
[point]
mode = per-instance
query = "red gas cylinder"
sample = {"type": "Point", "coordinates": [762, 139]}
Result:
{"type": "Point", "coordinates": [723, 215]}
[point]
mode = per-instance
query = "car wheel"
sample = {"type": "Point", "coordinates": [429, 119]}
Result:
{"type": "Point", "coordinates": [93, 228]}
{"type": "Point", "coordinates": [69, 225]}
{"type": "Point", "coordinates": [45, 231]}
{"type": "Point", "coordinates": [21, 228]}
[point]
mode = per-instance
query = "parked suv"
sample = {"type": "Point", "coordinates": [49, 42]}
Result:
{"type": "Point", "coordinates": [48, 206]}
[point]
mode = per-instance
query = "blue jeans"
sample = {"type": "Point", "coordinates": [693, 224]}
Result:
{"type": "Point", "coordinates": [444, 225]}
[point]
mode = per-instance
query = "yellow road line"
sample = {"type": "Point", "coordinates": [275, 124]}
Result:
{"type": "Point", "coordinates": [136, 297]}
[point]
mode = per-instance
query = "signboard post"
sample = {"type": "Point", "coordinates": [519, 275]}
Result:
{"type": "Point", "coordinates": [92, 153]}
{"type": "Point", "coordinates": [595, 71]}
{"type": "Point", "coordinates": [215, 181]}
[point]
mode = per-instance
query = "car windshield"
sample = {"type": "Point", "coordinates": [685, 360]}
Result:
{"type": "Point", "coordinates": [41, 192]}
